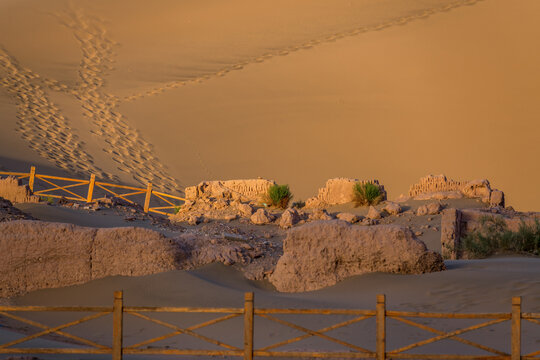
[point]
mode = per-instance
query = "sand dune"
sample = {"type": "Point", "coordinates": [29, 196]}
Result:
{"type": "Point", "coordinates": [177, 92]}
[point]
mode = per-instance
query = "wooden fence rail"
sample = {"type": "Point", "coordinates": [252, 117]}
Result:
{"type": "Point", "coordinates": [249, 313]}
{"type": "Point", "coordinates": [62, 187]}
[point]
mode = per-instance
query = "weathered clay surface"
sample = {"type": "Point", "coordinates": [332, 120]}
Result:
{"type": "Point", "coordinates": [373, 213]}
{"type": "Point", "coordinates": [289, 218]}
{"type": "Point", "coordinates": [39, 255]}
{"type": "Point", "coordinates": [338, 191]}
{"type": "Point", "coordinates": [348, 217]}
{"type": "Point", "coordinates": [12, 190]}
{"type": "Point", "coordinates": [244, 190]}
{"type": "Point", "coordinates": [429, 209]}
{"type": "Point", "coordinates": [322, 253]}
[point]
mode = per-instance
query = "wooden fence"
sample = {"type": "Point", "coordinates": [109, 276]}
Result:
{"type": "Point", "coordinates": [249, 312]}
{"type": "Point", "coordinates": [85, 191]}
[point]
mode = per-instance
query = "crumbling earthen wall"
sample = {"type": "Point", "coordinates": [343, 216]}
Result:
{"type": "Point", "coordinates": [12, 190]}
{"type": "Point", "coordinates": [243, 189]}
{"type": "Point", "coordinates": [339, 191]}
{"type": "Point", "coordinates": [435, 183]}
{"type": "Point", "coordinates": [38, 254]}
{"type": "Point", "coordinates": [439, 187]}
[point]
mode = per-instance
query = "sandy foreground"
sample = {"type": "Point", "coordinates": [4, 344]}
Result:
{"type": "Point", "coordinates": [179, 92]}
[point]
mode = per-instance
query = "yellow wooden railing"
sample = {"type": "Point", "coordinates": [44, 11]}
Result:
{"type": "Point", "coordinates": [248, 350]}
{"type": "Point", "coordinates": [85, 191]}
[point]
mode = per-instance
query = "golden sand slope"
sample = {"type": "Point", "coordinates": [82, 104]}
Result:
{"type": "Point", "coordinates": [319, 89]}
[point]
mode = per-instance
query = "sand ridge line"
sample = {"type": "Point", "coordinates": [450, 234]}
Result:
{"type": "Point", "coordinates": [40, 122]}
{"type": "Point", "coordinates": [304, 46]}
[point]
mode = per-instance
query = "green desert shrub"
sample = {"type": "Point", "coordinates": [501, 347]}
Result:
{"type": "Point", "coordinates": [278, 196]}
{"type": "Point", "coordinates": [494, 237]}
{"type": "Point", "coordinates": [366, 194]}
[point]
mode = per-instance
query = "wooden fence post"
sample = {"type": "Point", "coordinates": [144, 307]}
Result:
{"type": "Point", "coordinates": [381, 327]}
{"type": "Point", "coordinates": [118, 313]}
{"type": "Point", "coordinates": [91, 188]}
{"type": "Point", "coordinates": [32, 178]}
{"type": "Point", "coordinates": [516, 328]}
{"type": "Point", "coordinates": [248, 326]}
{"type": "Point", "coordinates": [147, 198]}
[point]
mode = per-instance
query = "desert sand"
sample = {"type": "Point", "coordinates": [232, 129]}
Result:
{"type": "Point", "coordinates": [175, 93]}
{"type": "Point", "coordinates": [299, 92]}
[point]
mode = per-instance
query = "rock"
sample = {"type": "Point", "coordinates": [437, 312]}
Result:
{"type": "Point", "coordinates": [496, 198]}
{"type": "Point", "coordinates": [191, 193]}
{"type": "Point", "coordinates": [319, 214]}
{"type": "Point", "coordinates": [37, 255]}
{"type": "Point", "coordinates": [392, 208]}
{"type": "Point", "coordinates": [348, 217]}
{"type": "Point", "coordinates": [261, 217]}
{"type": "Point", "coordinates": [194, 220]}
{"type": "Point", "coordinates": [323, 253]}
{"type": "Point", "coordinates": [220, 204]}
{"type": "Point", "coordinates": [245, 210]}
{"type": "Point", "coordinates": [315, 203]}
{"type": "Point", "coordinates": [373, 213]}
{"type": "Point", "coordinates": [289, 218]}
{"type": "Point", "coordinates": [429, 209]}
{"type": "Point", "coordinates": [12, 190]}
{"type": "Point", "coordinates": [368, 222]}
{"type": "Point", "coordinates": [418, 233]}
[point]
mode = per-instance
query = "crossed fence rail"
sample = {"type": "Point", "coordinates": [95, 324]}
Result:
{"type": "Point", "coordinates": [249, 313]}
{"type": "Point", "coordinates": [85, 191]}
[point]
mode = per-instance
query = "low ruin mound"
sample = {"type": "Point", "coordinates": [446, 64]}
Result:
{"type": "Point", "coordinates": [12, 190]}
{"type": "Point", "coordinates": [323, 253]}
{"type": "Point", "coordinates": [38, 254]}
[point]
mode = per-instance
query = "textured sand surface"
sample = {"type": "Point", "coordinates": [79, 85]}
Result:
{"type": "Point", "coordinates": [468, 286]}
{"type": "Point", "coordinates": [178, 92]}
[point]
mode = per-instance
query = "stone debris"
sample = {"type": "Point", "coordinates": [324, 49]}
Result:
{"type": "Point", "coordinates": [373, 213]}
{"type": "Point", "coordinates": [348, 217]}
{"type": "Point", "coordinates": [323, 253]}
{"type": "Point", "coordinates": [261, 217]}
{"type": "Point", "coordinates": [432, 208]}
{"type": "Point", "coordinates": [289, 218]}
{"type": "Point", "coordinates": [392, 208]}
{"type": "Point", "coordinates": [319, 214]}
{"type": "Point", "coordinates": [12, 190]}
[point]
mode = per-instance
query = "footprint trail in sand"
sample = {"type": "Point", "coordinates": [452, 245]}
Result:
{"type": "Point", "coordinates": [41, 123]}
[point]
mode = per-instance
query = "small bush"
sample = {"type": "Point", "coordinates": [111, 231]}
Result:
{"type": "Point", "coordinates": [493, 237]}
{"type": "Point", "coordinates": [278, 196]}
{"type": "Point", "coordinates": [366, 194]}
